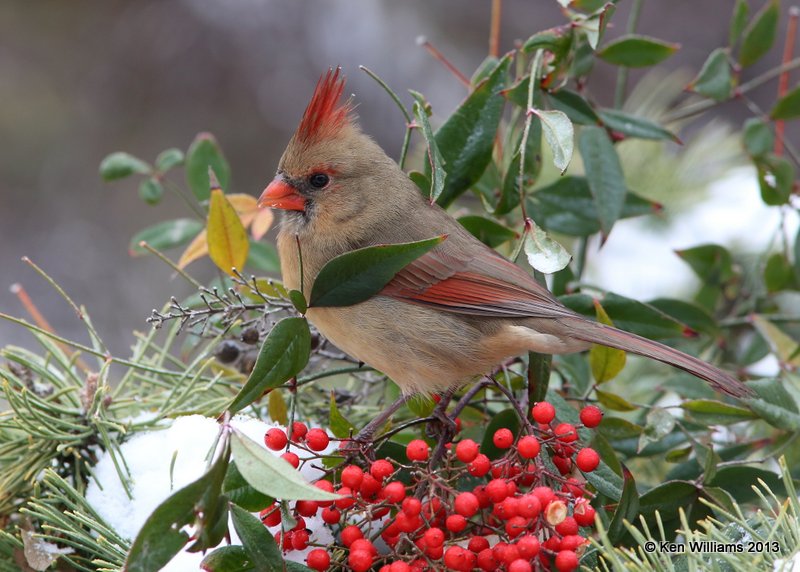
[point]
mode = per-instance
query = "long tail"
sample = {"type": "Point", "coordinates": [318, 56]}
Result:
{"type": "Point", "coordinates": [597, 333]}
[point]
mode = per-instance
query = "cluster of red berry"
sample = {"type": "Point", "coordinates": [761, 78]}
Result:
{"type": "Point", "coordinates": [519, 517]}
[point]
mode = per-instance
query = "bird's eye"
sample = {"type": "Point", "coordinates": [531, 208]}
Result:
{"type": "Point", "coordinates": [318, 180]}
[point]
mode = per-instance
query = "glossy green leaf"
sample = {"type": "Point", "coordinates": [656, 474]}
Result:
{"type": "Point", "coordinates": [594, 27]}
{"type": "Point", "coordinates": [575, 106]}
{"type": "Point", "coordinates": [510, 195]}
{"type": "Point", "coordinates": [435, 164]}
{"type": "Point", "coordinates": [773, 392]}
{"type": "Point", "coordinates": [359, 274]}
{"type": "Point", "coordinates": [257, 541]}
{"type": "Point", "coordinates": [614, 428]}
{"type": "Point", "coordinates": [487, 230]}
{"type": "Point", "coordinates": [484, 70]}
{"type": "Point", "coordinates": [168, 159]}
{"type": "Point", "coordinates": [544, 253]}
{"type": "Point", "coordinates": [715, 79]}
{"type": "Point", "coordinates": [636, 51]}
{"type": "Point", "coordinates": [712, 263]}
{"type": "Point", "coordinates": [205, 152]}
{"type": "Point", "coordinates": [556, 41]}
{"type": "Point", "coordinates": [778, 273]}
{"type": "Point", "coordinates": [788, 107]}
{"type": "Point", "coordinates": [505, 419]}
{"type": "Point", "coordinates": [228, 559]}
{"type": "Point", "coordinates": [567, 206]}
{"type": "Point", "coordinates": [270, 474]}
{"type": "Point", "coordinates": [614, 402]}
{"type": "Point", "coordinates": [627, 508]}
{"type": "Point", "coordinates": [689, 313]}
{"type": "Point", "coordinates": [760, 34]}
{"type": "Point", "coordinates": [298, 301]}
{"type": "Point", "coordinates": [339, 424]}
{"type": "Point", "coordinates": [738, 21]}
{"type": "Point", "coordinates": [668, 497]}
{"type": "Point", "coordinates": [715, 412]}
{"type": "Point", "coordinates": [604, 175]}
{"type": "Point", "coordinates": [466, 139]}
{"type": "Point", "coordinates": [758, 137]}
{"type": "Point", "coordinates": [237, 489]}
{"type": "Point", "coordinates": [605, 362]}
{"type": "Point", "coordinates": [740, 480]}
{"type": "Point", "coordinates": [151, 191]}
{"type": "Point", "coordinates": [629, 315]}
{"type": "Point", "coordinates": [775, 179]}
{"type": "Point", "coordinates": [263, 256]}
{"type": "Point", "coordinates": [633, 126]}
{"type": "Point", "coordinates": [606, 481]}
{"type": "Point", "coordinates": [120, 165]}
{"type": "Point", "coordinates": [423, 182]}
{"type": "Point", "coordinates": [164, 235]}
{"type": "Point", "coordinates": [283, 355]}
{"type": "Point", "coordinates": [559, 134]}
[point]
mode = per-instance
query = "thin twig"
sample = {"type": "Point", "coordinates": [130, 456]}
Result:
{"type": "Point", "coordinates": [422, 41]}
{"type": "Point", "coordinates": [622, 73]}
{"type": "Point", "coordinates": [494, 30]}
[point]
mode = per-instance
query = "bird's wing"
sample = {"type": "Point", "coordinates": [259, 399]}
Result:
{"type": "Point", "coordinates": [483, 284]}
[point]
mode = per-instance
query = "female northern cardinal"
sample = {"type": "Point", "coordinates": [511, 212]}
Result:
{"type": "Point", "coordinates": [452, 314]}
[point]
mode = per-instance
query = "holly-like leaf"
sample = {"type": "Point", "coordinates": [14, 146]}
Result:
{"type": "Point", "coordinates": [629, 315]}
{"type": "Point", "coordinates": [163, 235]}
{"type": "Point", "coordinates": [339, 424]}
{"type": "Point", "coordinates": [435, 164]}
{"type": "Point", "coordinates": [240, 492]}
{"type": "Point", "coordinates": [712, 412]}
{"type": "Point", "coordinates": [270, 474]}
{"type": "Point", "coordinates": [205, 153]}
{"type": "Point", "coordinates": [715, 79]}
{"type": "Point", "coordinates": [357, 275]}
{"type": "Point", "coordinates": [788, 107]}
{"type": "Point", "coordinates": [283, 355]}
{"type": "Point", "coordinates": [738, 21]}
{"type": "Point", "coordinates": [517, 173]}
{"type": "Point", "coordinates": [775, 179]}
{"type": "Point", "coordinates": [636, 51]}
{"type": "Point", "coordinates": [151, 191]}
{"type": "Point", "coordinates": [760, 34]}
{"type": "Point", "coordinates": [575, 106]}
{"type": "Point", "coordinates": [711, 262]}
{"type": "Point", "coordinates": [258, 542]}
{"type": "Point", "coordinates": [758, 138]}
{"type": "Point", "coordinates": [544, 253]}
{"type": "Point", "coordinates": [487, 230]}
{"type": "Point", "coordinates": [226, 236]}
{"type": "Point", "coordinates": [613, 401]}
{"type": "Point", "coordinates": [559, 134]}
{"type": "Point", "coordinates": [604, 175]}
{"type": "Point", "coordinates": [228, 559]}
{"type": "Point", "coordinates": [633, 126]}
{"type": "Point", "coordinates": [605, 362]}
{"type": "Point", "coordinates": [627, 509]}
{"type": "Point", "coordinates": [120, 165]}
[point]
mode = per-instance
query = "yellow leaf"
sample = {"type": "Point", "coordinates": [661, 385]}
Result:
{"type": "Point", "coordinates": [262, 223]}
{"type": "Point", "coordinates": [245, 206]}
{"type": "Point", "coordinates": [277, 407]}
{"type": "Point", "coordinates": [606, 362]}
{"type": "Point", "coordinates": [613, 401]}
{"type": "Point", "coordinates": [227, 238]}
{"type": "Point", "coordinates": [196, 249]}
{"type": "Point", "coordinates": [782, 345]}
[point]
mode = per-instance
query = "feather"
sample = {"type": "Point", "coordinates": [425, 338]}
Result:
{"type": "Point", "coordinates": [326, 114]}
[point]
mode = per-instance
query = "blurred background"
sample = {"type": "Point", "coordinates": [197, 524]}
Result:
{"type": "Point", "coordinates": [81, 79]}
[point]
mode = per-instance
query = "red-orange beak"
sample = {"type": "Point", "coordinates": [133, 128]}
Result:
{"type": "Point", "coordinates": [281, 195]}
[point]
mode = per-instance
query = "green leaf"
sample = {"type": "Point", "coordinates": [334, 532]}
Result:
{"type": "Point", "coordinates": [760, 34]}
{"type": "Point", "coordinates": [262, 256]}
{"type": "Point", "coordinates": [739, 481]}
{"type": "Point", "coordinates": [240, 492]}
{"type": "Point", "coordinates": [633, 126]}
{"type": "Point", "coordinates": [205, 152]}
{"type": "Point", "coordinates": [712, 263]}
{"type": "Point", "coordinates": [488, 231]}
{"type": "Point", "coordinates": [258, 542]}
{"type": "Point", "coordinates": [606, 481]}
{"type": "Point", "coordinates": [788, 107]}
{"type": "Point", "coordinates": [781, 344]}
{"type": "Point", "coordinates": [559, 134]}
{"type": "Point", "coordinates": [738, 21]}
{"type": "Point", "coordinates": [168, 159]}
{"type": "Point", "coordinates": [167, 234]}
{"type": "Point", "coordinates": [435, 164]}
{"type": "Point", "coordinates": [758, 137]}
{"type": "Point", "coordinates": [778, 273]}
{"type": "Point", "coordinates": [712, 412]}
{"type": "Point", "coordinates": [775, 179]}
{"type": "Point", "coordinates": [466, 139]}
{"type": "Point", "coordinates": [226, 236]}
{"type": "Point", "coordinates": [604, 175]}
{"type": "Point", "coordinates": [635, 51]}
{"type": "Point", "coordinates": [298, 301]}
{"type": "Point", "coordinates": [283, 355]}
{"type": "Point", "coordinates": [228, 559]}
{"type": "Point", "coordinates": [715, 79]}
{"type": "Point", "coordinates": [614, 402]}
{"type": "Point", "coordinates": [151, 191]}
{"type": "Point", "coordinates": [120, 165]}
{"type": "Point", "coordinates": [668, 497]}
{"type": "Point", "coordinates": [629, 315]}
{"type": "Point", "coordinates": [357, 275]}
{"type": "Point", "coordinates": [627, 509]}
{"type": "Point", "coordinates": [575, 106]}
{"type": "Point", "coordinates": [687, 313]}
{"type": "Point", "coordinates": [505, 419]}
{"type": "Point", "coordinates": [567, 207]}
{"type": "Point", "coordinates": [543, 253]}
{"type": "Point", "coordinates": [510, 195]}
{"type": "Point", "coordinates": [339, 424]}
{"type": "Point", "coordinates": [270, 474]}
{"type": "Point", "coordinates": [606, 362]}
{"type": "Point", "coordinates": [555, 41]}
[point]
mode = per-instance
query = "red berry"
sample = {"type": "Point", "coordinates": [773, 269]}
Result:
{"type": "Point", "coordinates": [506, 509]}
{"type": "Point", "coordinates": [563, 464]}
{"type": "Point", "coordinates": [566, 561]}
{"type": "Point", "coordinates": [497, 490]}
{"type": "Point", "coordinates": [455, 523]}
{"type": "Point", "coordinates": [352, 476]}
{"type": "Point", "coordinates": [528, 546]}
{"type": "Point", "coordinates": [567, 526]}
{"type": "Point", "coordinates": [381, 469]}
{"type": "Point", "coordinates": [407, 523]}
{"type": "Point", "coordinates": [331, 515]}
{"type": "Point", "coordinates": [326, 486]}
{"type": "Point", "coordinates": [503, 438]}
{"type": "Point", "coordinates": [417, 450]}
{"type": "Point", "coordinates": [433, 537]}
{"type": "Point", "coordinates": [483, 499]}
{"type": "Point", "coordinates": [466, 504]}
{"type": "Point", "coordinates": [346, 499]}
{"type": "Point", "coordinates": [477, 544]}
{"type": "Point", "coordinates": [318, 559]}
{"type": "Point", "coordinates": [360, 560]}
{"type": "Point", "coordinates": [572, 542]}
{"type": "Point", "coordinates": [506, 552]}
{"type": "Point", "coordinates": [291, 458]}
{"type": "Point", "coordinates": [370, 487]}
{"type": "Point", "coordinates": [529, 506]}
{"type": "Point", "coordinates": [591, 416]}
{"type": "Point", "coordinates": [306, 507]}
{"type": "Point", "coordinates": [317, 439]}
{"type": "Point", "coordinates": [455, 558]}
{"type": "Point", "coordinates": [394, 492]}
{"type": "Point", "coordinates": [300, 539]}
{"type": "Point", "coordinates": [467, 450]}
{"type": "Point", "coordinates": [587, 459]}
{"type": "Point", "coordinates": [583, 513]}
{"type": "Point", "coordinates": [298, 431]}
{"type": "Point", "coordinates": [480, 466]}
{"type": "Point", "coordinates": [520, 565]}
{"type": "Point", "coordinates": [544, 494]}
{"type": "Point", "coordinates": [566, 432]}
{"type": "Point", "coordinates": [350, 534]}
{"type": "Point", "coordinates": [487, 560]}
{"type": "Point", "coordinates": [515, 526]}
{"type": "Point", "coordinates": [363, 544]}
{"type": "Point", "coordinates": [528, 447]}
{"type": "Point", "coordinates": [276, 439]}
{"type": "Point", "coordinates": [573, 487]}
{"type": "Point", "coordinates": [543, 412]}
{"type": "Point", "coordinates": [271, 516]}
{"type": "Point", "coordinates": [399, 566]}
{"type": "Point", "coordinates": [412, 506]}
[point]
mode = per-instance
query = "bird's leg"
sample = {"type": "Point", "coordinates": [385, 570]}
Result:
{"type": "Point", "coordinates": [446, 429]}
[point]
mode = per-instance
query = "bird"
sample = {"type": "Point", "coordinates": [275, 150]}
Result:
{"type": "Point", "coordinates": [453, 314]}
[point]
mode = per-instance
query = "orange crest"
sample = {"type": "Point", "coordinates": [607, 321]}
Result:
{"type": "Point", "coordinates": [325, 115]}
